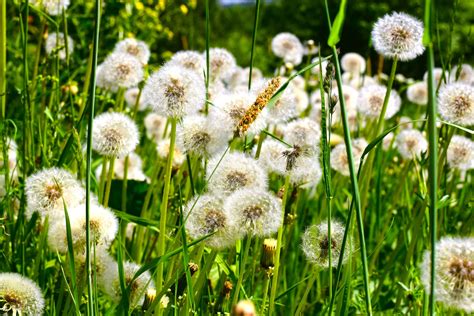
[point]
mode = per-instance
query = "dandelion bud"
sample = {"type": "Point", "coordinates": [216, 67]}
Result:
{"type": "Point", "coordinates": [268, 253]}
{"type": "Point", "coordinates": [150, 296]}
{"type": "Point", "coordinates": [20, 295]}
{"type": "Point", "coordinates": [244, 308]}
{"type": "Point", "coordinates": [227, 289]}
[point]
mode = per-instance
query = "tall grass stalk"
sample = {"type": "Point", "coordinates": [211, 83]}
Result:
{"type": "Point", "coordinates": [3, 56]}
{"type": "Point", "coordinates": [91, 100]}
{"type": "Point", "coordinates": [254, 39]}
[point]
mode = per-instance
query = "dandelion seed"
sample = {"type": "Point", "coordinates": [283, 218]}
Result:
{"type": "Point", "coordinates": [418, 93]}
{"type": "Point", "coordinates": [398, 35]}
{"type": "Point", "coordinates": [209, 217]}
{"type": "Point", "coordinates": [55, 43]}
{"type": "Point", "coordinates": [454, 272]}
{"type": "Point", "coordinates": [235, 171]}
{"type": "Point", "coordinates": [461, 153]}
{"type": "Point", "coordinates": [315, 244]}
{"type": "Point", "coordinates": [48, 190]}
{"type": "Point", "coordinates": [411, 143]}
{"type": "Point", "coordinates": [203, 136]}
{"type": "Point", "coordinates": [339, 160]}
{"type": "Point", "coordinates": [456, 103]}
{"type": "Point", "coordinates": [466, 74]}
{"type": "Point", "coordinates": [114, 134]}
{"type": "Point", "coordinates": [257, 212]}
{"type": "Point", "coordinates": [122, 70]}
{"type": "Point", "coordinates": [288, 47]}
{"type": "Point", "coordinates": [353, 63]}
{"type": "Point", "coordinates": [20, 295]}
{"type": "Point", "coordinates": [155, 126]}
{"type": "Point", "coordinates": [371, 98]}
{"type": "Point", "coordinates": [135, 48]}
{"type": "Point", "coordinates": [190, 60]}
{"type": "Point", "coordinates": [174, 91]}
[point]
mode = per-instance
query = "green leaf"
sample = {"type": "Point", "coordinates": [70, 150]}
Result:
{"type": "Point", "coordinates": [334, 36]}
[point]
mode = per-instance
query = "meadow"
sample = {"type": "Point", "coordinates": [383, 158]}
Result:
{"type": "Point", "coordinates": [146, 170]}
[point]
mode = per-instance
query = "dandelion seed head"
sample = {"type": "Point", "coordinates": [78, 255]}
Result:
{"type": "Point", "coordinates": [19, 295]}
{"type": "Point", "coordinates": [456, 103]}
{"type": "Point", "coordinates": [257, 212]}
{"type": "Point", "coordinates": [315, 244]}
{"type": "Point", "coordinates": [461, 153]}
{"type": "Point", "coordinates": [133, 47]}
{"type": "Point", "coordinates": [353, 63]}
{"type": "Point", "coordinates": [303, 133]}
{"type": "Point", "coordinates": [454, 272]}
{"type": "Point", "coordinates": [466, 74]}
{"type": "Point", "coordinates": [235, 171]}
{"type": "Point", "coordinates": [191, 60]}
{"type": "Point", "coordinates": [55, 43]}
{"type": "Point", "coordinates": [411, 143]}
{"type": "Point", "coordinates": [398, 35]}
{"type": "Point", "coordinates": [221, 63]}
{"type": "Point", "coordinates": [55, 7]}
{"type": "Point", "coordinates": [174, 91]}
{"type": "Point", "coordinates": [114, 134]}
{"type": "Point", "coordinates": [288, 47]}
{"type": "Point", "coordinates": [131, 96]}
{"type": "Point", "coordinates": [122, 70]}
{"type": "Point", "coordinates": [339, 160]}
{"type": "Point", "coordinates": [134, 169]}
{"type": "Point", "coordinates": [418, 93]}
{"type": "Point", "coordinates": [437, 75]}
{"type": "Point", "coordinates": [371, 98]}
{"type": "Point", "coordinates": [155, 126]}
{"type": "Point", "coordinates": [271, 156]}
{"type": "Point", "coordinates": [306, 172]}
{"type": "Point", "coordinates": [163, 149]}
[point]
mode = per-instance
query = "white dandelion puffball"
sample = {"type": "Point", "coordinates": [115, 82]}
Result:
{"type": "Point", "coordinates": [135, 48]}
{"type": "Point", "coordinates": [257, 212]}
{"type": "Point", "coordinates": [239, 79]}
{"type": "Point", "coordinates": [155, 126]}
{"type": "Point", "coordinates": [103, 81]}
{"type": "Point", "coordinates": [302, 101]}
{"type": "Point", "coordinates": [319, 67]}
{"type": "Point", "coordinates": [174, 91]}
{"type": "Point", "coordinates": [461, 153]}
{"type": "Point", "coordinates": [271, 156]}
{"type": "Point", "coordinates": [49, 189]}
{"type": "Point", "coordinates": [353, 63]}
{"type": "Point", "coordinates": [103, 261]}
{"type": "Point", "coordinates": [235, 171]}
{"type": "Point", "coordinates": [398, 35]}
{"type": "Point", "coordinates": [122, 70]}
{"type": "Point", "coordinates": [411, 143]}
{"type": "Point", "coordinates": [456, 103]}
{"type": "Point", "coordinates": [55, 7]}
{"type": "Point", "coordinates": [190, 60]}
{"type": "Point", "coordinates": [55, 43]}
{"type": "Point", "coordinates": [114, 134]}
{"type": "Point", "coordinates": [371, 98]}
{"type": "Point", "coordinates": [288, 47]}
{"type": "Point", "coordinates": [203, 136]}
{"type": "Point", "coordinates": [131, 96]}
{"type": "Point", "coordinates": [221, 63]}
{"type": "Point", "coordinates": [163, 149]}
{"type": "Point", "coordinates": [206, 215]}
{"type": "Point", "coordinates": [339, 160]}
{"type": "Point", "coordinates": [111, 283]}
{"type": "Point", "coordinates": [303, 133]}
{"type": "Point", "coordinates": [19, 295]}
{"type": "Point", "coordinates": [306, 172]}
{"type": "Point", "coordinates": [466, 74]}
{"type": "Point", "coordinates": [134, 169]}
{"type": "Point", "coordinates": [418, 93]}
{"type": "Point", "coordinates": [103, 229]}
{"type": "Point", "coordinates": [315, 244]}
{"type": "Point", "coordinates": [284, 109]}
{"type": "Point", "coordinates": [454, 272]}
{"type": "Point", "coordinates": [438, 75]}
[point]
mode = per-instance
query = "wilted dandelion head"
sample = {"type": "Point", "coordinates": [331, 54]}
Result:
{"type": "Point", "coordinates": [306, 172]}
{"type": "Point", "coordinates": [288, 47]}
{"type": "Point", "coordinates": [48, 190]}
{"type": "Point", "coordinates": [135, 48]}
{"type": "Point", "coordinates": [221, 63]}
{"type": "Point", "coordinates": [462, 73]}
{"type": "Point", "coordinates": [131, 96]}
{"type": "Point", "coordinates": [55, 7]}
{"type": "Point", "coordinates": [235, 171]}
{"type": "Point", "coordinates": [316, 245]}
{"type": "Point", "coordinates": [163, 149]}
{"type": "Point", "coordinates": [461, 153]}
{"type": "Point", "coordinates": [209, 216]}
{"type": "Point", "coordinates": [122, 70]}
{"type": "Point", "coordinates": [303, 133]}
{"type": "Point", "coordinates": [353, 63]}
{"type": "Point", "coordinates": [114, 134]}
{"type": "Point", "coordinates": [20, 295]}
{"type": "Point", "coordinates": [103, 228]}
{"type": "Point", "coordinates": [155, 126]}
{"type": "Point", "coordinates": [203, 136]}
{"type": "Point", "coordinates": [175, 91]}
{"type": "Point", "coordinates": [138, 287]}
{"type": "Point", "coordinates": [271, 156]}
{"type": "Point", "coordinates": [418, 93]}
{"type": "Point", "coordinates": [55, 44]}
{"type": "Point", "coordinates": [339, 160]}
{"type": "Point", "coordinates": [398, 35]}
{"type": "Point", "coordinates": [411, 143]}
{"type": "Point", "coordinates": [371, 98]}
{"type": "Point", "coordinates": [190, 60]}
{"type": "Point", "coordinates": [456, 103]}
{"type": "Point", "coordinates": [257, 212]}
{"type": "Point", "coordinates": [454, 272]}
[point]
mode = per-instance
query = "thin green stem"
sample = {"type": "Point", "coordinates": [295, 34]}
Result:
{"type": "Point", "coordinates": [381, 119]}
{"type": "Point", "coordinates": [254, 39]}
{"type": "Point", "coordinates": [3, 56]}
{"type": "Point", "coordinates": [244, 252]}
{"type": "Point", "coordinates": [309, 285]}
{"type": "Point", "coordinates": [108, 184]}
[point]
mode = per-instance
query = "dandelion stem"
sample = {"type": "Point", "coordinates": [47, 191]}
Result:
{"type": "Point", "coordinates": [3, 56]}
{"type": "Point", "coordinates": [309, 285]}
{"type": "Point", "coordinates": [108, 185]}
{"type": "Point", "coordinates": [244, 252]}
